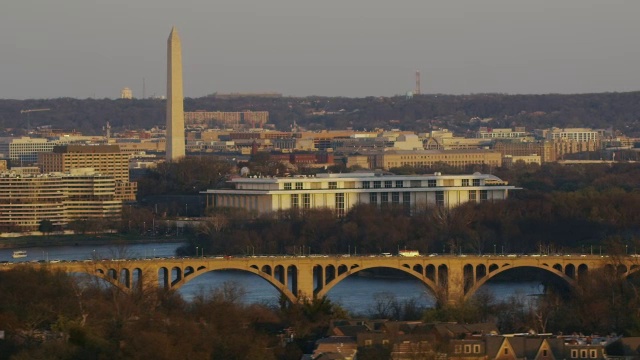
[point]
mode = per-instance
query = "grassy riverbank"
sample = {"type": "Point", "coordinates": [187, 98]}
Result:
{"type": "Point", "coordinates": [87, 239]}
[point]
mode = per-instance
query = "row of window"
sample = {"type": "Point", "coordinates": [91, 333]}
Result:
{"type": "Point", "coordinates": [467, 349]}
{"type": "Point", "coordinates": [395, 198]}
{"type": "Point", "coordinates": [306, 202]}
{"type": "Point", "coordinates": [387, 184]}
{"type": "Point", "coordinates": [584, 353]}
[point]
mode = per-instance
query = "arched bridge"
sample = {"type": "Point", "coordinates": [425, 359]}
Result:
{"type": "Point", "coordinates": [452, 278]}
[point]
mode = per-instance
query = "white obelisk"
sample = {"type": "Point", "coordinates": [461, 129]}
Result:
{"type": "Point", "coordinates": [175, 99]}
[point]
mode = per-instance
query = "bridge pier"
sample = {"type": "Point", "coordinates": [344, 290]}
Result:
{"type": "Point", "coordinates": [455, 285]}
{"type": "Point", "coordinates": [304, 281]}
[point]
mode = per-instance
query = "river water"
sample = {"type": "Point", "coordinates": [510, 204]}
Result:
{"type": "Point", "coordinates": [356, 294]}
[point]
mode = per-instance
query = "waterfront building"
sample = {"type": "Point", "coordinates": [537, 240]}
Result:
{"type": "Point", "coordinates": [341, 192]}
{"type": "Point", "coordinates": [106, 160]}
{"type": "Point", "coordinates": [26, 200]}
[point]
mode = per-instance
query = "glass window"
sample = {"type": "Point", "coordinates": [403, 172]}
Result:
{"type": "Point", "coordinates": [287, 186]}
{"type": "Point", "coordinates": [483, 195]}
{"type": "Point", "coordinates": [457, 349]}
{"type": "Point", "coordinates": [431, 183]}
{"type": "Point", "coordinates": [333, 185]}
{"type": "Point", "coordinates": [340, 204]}
{"type": "Point", "coordinates": [465, 182]}
{"type": "Point", "coordinates": [399, 183]}
{"type": "Point", "coordinates": [473, 195]}
{"type": "Point", "coordinates": [574, 353]}
{"type": "Point", "coordinates": [583, 353]}
{"type": "Point", "coordinates": [395, 198]}
{"type": "Point", "coordinates": [388, 184]}
{"type": "Point", "coordinates": [440, 198]}
{"type": "Point", "coordinates": [467, 349]}
{"type": "Point", "coordinates": [476, 348]}
{"type": "Point", "coordinates": [373, 198]}
{"type": "Point", "coordinates": [593, 353]}
{"type": "Point", "coordinates": [476, 182]}
{"type": "Point", "coordinates": [384, 198]}
{"type": "Point", "coordinates": [377, 184]}
{"type": "Point", "coordinates": [294, 201]}
{"type": "Point", "coordinates": [366, 185]}
{"type": "Point", "coordinates": [306, 201]}
{"type": "Point", "coordinates": [299, 186]}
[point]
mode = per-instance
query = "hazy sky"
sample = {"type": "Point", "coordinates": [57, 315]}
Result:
{"type": "Point", "coordinates": [94, 48]}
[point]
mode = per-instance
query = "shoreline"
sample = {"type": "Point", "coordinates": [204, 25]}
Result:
{"type": "Point", "coordinates": [76, 240]}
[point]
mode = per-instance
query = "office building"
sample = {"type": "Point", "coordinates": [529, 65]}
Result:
{"type": "Point", "coordinates": [24, 150]}
{"type": "Point", "coordinates": [427, 158]}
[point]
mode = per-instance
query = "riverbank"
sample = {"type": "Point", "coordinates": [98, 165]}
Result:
{"type": "Point", "coordinates": [77, 240]}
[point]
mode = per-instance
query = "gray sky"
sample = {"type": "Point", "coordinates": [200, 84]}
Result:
{"type": "Point", "coordinates": [93, 48]}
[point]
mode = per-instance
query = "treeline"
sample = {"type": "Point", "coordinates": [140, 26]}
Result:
{"type": "Point", "coordinates": [601, 303]}
{"type": "Point", "coordinates": [188, 176]}
{"type": "Point", "coordinates": [54, 315]}
{"type": "Point", "coordinates": [620, 111]}
{"type": "Point", "coordinates": [559, 209]}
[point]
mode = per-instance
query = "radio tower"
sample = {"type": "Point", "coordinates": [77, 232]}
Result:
{"type": "Point", "coordinates": [417, 90]}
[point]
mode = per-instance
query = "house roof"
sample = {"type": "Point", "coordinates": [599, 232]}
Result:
{"type": "Point", "coordinates": [523, 346]}
{"type": "Point", "coordinates": [625, 347]}
{"type": "Point", "coordinates": [349, 330]}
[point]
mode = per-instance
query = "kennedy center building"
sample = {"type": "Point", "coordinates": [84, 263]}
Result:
{"type": "Point", "coordinates": [341, 192]}
{"type": "Point", "coordinates": [175, 99]}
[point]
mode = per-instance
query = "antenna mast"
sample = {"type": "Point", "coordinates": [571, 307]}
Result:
{"type": "Point", "coordinates": [417, 90]}
{"type": "Point", "coordinates": [144, 89]}
{"type": "Point", "coordinates": [28, 111]}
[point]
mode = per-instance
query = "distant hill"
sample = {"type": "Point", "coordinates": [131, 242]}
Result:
{"type": "Point", "coordinates": [459, 113]}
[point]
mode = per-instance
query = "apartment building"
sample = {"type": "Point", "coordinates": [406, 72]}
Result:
{"type": "Point", "coordinates": [104, 159]}
{"type": "Point", "coordinates": [25, 200]}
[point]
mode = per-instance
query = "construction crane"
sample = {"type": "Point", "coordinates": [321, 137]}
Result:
{"type": "Point", "coordinates": [28, 111]}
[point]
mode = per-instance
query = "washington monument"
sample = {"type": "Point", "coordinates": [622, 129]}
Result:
{"type": "Point", "coordinates": [175, 99]}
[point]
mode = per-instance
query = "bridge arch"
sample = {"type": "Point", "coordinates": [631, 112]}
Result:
{"type": "Point", "coordinates": [356, 269]}
{"type": "Point", "coordinates": [281, 287]}
{"type": "Point", "coordinates": [552, 270]}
